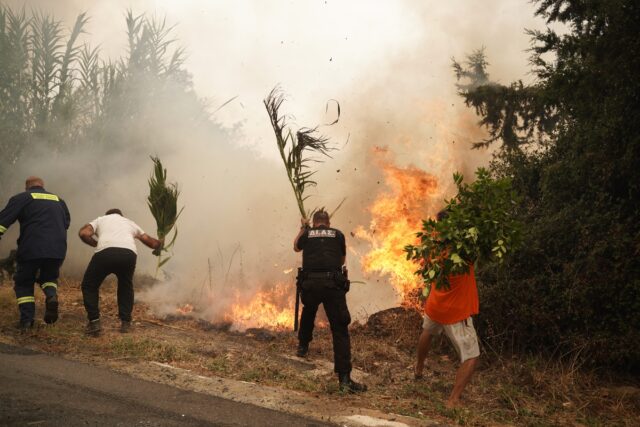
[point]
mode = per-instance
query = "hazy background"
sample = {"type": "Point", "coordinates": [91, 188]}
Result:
{"type": "Point", "coordinates": [388, 63]}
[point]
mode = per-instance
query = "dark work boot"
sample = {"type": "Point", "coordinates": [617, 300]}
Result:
{"type": "Point", "coordinates": [350, 386]}
{"type": "Point", "coordinates": [93, 328]}
{"type": "Point", "coordinates": [125, 326]}
{"type": "Point", "coordinates": [25, 326]}
{"type": "Point", "coordinates": [303, 350]}
{"type": "Point", "coordinates": [51, 311]}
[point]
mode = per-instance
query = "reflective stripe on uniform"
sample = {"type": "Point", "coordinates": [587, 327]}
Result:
{"type": "Point", "coordinates": [49, 285]}
{"type": "Point", "coordinates": [45, 196]}
{"type": "Point", "coordinates": [24, 300]}
{"type": "Point", "coordinates": [3, 229]}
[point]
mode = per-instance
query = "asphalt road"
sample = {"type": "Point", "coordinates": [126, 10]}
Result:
{"type": "Point", "coordinates": [41, 390]}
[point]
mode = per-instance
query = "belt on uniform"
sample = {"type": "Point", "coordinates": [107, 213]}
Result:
{"type": "Point", "coordinates": [319, 274]}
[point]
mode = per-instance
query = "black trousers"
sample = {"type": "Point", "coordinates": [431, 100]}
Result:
{"type": "Point", "coordinates": [45, 272]}
{"type": "Point", "coordinates": [314, 293]}
{"type": "Point", "coordinates": [118, 261]}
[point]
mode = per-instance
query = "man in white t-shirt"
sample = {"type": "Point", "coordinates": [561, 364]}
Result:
{"type": "Point", "coordinates": [115, 254]}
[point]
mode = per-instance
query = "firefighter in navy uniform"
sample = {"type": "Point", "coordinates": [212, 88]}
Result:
{"type": "Point", "coordinates": [42, 246]}
{"type": "Point", "coordinates": [322, 282]}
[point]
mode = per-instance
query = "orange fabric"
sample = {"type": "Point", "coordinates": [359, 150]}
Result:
{"type": "Point", "coordinates": [448, 306]}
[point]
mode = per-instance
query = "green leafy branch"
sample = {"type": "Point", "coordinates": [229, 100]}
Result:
{"type": "Point", "coordinates": [163, 204]}
{"type": "Point", "coordinates": [479, 227]}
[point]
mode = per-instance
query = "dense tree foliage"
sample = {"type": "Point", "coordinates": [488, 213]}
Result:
{"type": "Point", "coordinates": [570, 143]}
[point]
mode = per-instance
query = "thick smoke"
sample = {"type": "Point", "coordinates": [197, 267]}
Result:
{"type": "Point", "coordinates": [390, 69]}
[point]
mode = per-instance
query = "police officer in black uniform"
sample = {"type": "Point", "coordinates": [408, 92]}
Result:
{"type": "Point", "coordinates": [322, 282]}
{"type": "Point", "coordinates": [42, 247]}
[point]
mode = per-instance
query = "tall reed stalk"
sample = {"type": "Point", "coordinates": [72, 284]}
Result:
{"type": "Point", "coordinates": [296, 150]}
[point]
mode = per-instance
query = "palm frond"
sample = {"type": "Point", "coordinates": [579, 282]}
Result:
{"type": "Point", "coordinates": [163, 204]}
{"type": "Point", "coordinates": [297, 150]}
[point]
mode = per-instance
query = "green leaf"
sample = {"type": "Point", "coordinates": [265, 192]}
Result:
{"type": "Point", "coordinates": [479, 228]}
{"type": "Point", "coordinates": [163, 204]}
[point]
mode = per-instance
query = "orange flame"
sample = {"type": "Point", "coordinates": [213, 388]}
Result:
{"type": "Point", "coordinates": [396, 215]}
{"type": "Point", "coordinates": [184, 309]}
{"type": "Point", "coordinates": [272, 308]}
{"type": "Point", "coordinates": [395, 218]}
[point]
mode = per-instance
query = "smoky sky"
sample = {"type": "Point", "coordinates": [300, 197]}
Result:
{"type": "Point", "coordinates": [388, 63]}
{"type": "Point", "coordinates": [319, 49]}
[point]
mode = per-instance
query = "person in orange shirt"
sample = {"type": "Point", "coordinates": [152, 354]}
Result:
{"type": "Point", "coordinates": [450, 310]}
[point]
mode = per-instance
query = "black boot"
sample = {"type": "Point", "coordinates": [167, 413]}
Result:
{"type": "Point", "coordinates": [25, 326]}
{"type": "Point", "coordinates": [93, 328]}
{"type": "Point", "coordinates": [303, 350]}
{"type": "Point", "coordinates": [350, 386]}
{"type": "Point", "coordinates": [125, 326]}
{"type": "Point", "coordinates": [51, 311]}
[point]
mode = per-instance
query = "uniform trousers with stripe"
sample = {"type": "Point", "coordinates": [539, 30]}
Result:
{"type": "Point", "coordinates": [45, 272]}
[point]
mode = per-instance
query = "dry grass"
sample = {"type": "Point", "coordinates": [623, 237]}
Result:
{"type": "Point", "coordinates": [516, 390]}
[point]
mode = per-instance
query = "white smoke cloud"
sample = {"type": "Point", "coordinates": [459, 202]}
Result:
{"type": "Point", "coordinates": [388, 64]}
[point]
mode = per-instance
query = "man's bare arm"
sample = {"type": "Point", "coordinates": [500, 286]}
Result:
{"type": "Point", "coordinates": [149, 241]}
{"type": "Point", "coordinates": [86, 235]}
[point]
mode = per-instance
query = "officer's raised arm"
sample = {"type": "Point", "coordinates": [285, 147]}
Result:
{"type": "Point", "coordinates": [297, 244]}
{"type": "Point", "coordinates": [343, 248]}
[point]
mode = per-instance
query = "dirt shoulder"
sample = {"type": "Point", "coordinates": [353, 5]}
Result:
{"type": "Point", "coordinates": [258, 368]}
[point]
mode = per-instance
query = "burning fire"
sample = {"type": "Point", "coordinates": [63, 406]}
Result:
{"type": "Point", "coordinates": [184, 309]}
{"type": "Point", "coordinates": [396, 217]}
{"type": "Point", "coordinates": [272, 308]}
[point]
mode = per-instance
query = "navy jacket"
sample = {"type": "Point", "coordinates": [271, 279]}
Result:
{"type": "Point", "coordinates": [44, 220]}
